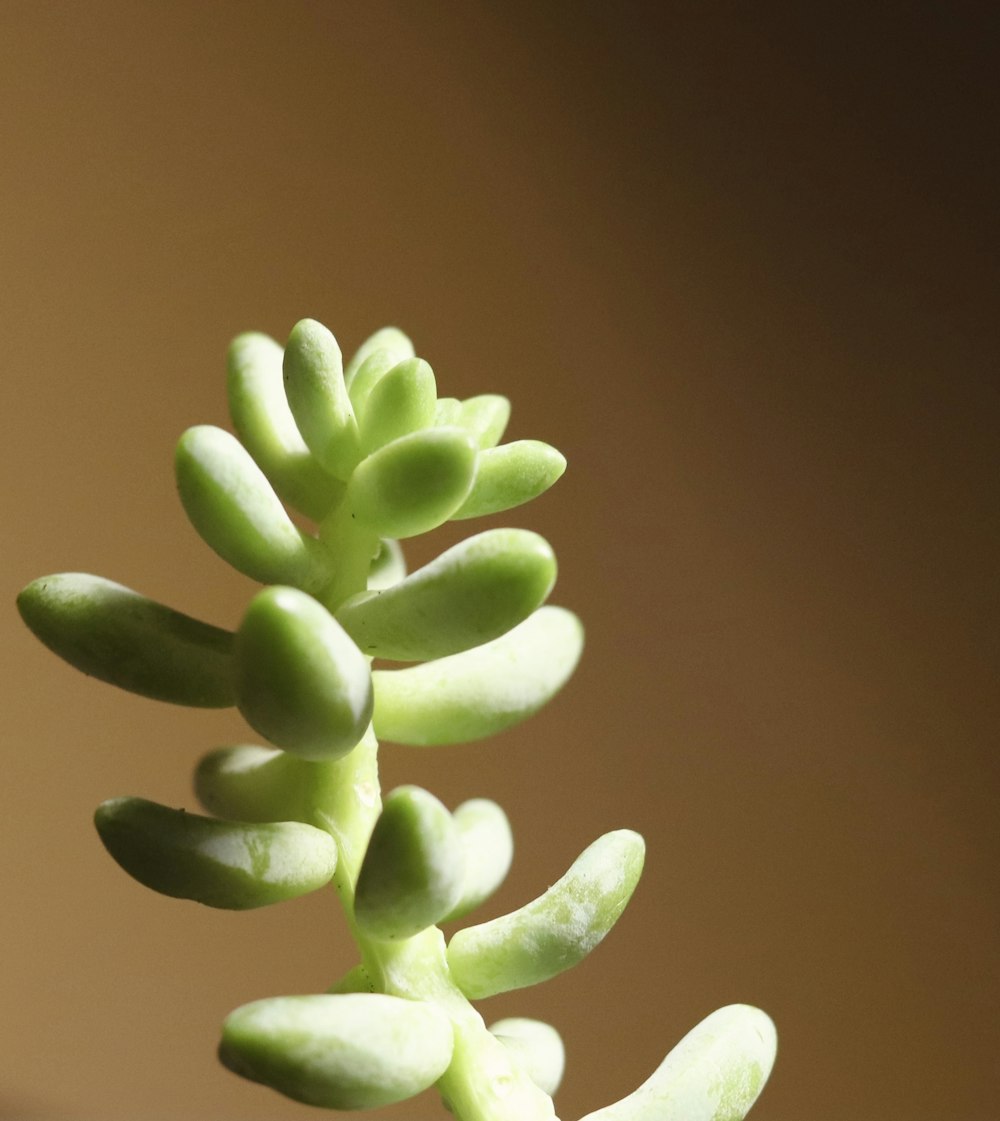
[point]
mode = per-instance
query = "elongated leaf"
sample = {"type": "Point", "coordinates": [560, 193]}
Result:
{"type": "Point", "coordinates": [391, 340]}
{"type": "Point", "coordinates": [236, 512]}
{"type": "Point", "coordinates": [232, 865]}
{"type": "Point", "coordinates": [317, 396]}
{"type": "Point", "coordinates": [250, 783]}
{"type": "Point", "coordinates": [554, 931]}
{"type": "Point", "coordinates": [488, 845]}
{"type": "Point", "coordinates": [267, 429]}
{"type": "Point", "coordinates": [402, 402]}
{"type": "Point", "coordinates": [300, 681]}
{"type": "Point", "coordinates": [471, 594]}
{"type": "Point", "coordinates": [339, 1051]}
{"type": "Point", "coordinates": [715, 1073]}
{"type": "Point", "coordinates": [538, 1046]}
{"type": "Point", "coordinates": [486, 417]}
{"type": "Point", "coordinates": [413, 868]}
{"type": "Point", "coordinates": [413, 484]}
{"type": "Point", "coordinates": [481, 691]}
{"type": "Point", "coordinates": [511, 475]}
{"type": "Point", "coordinates": [112, 633]}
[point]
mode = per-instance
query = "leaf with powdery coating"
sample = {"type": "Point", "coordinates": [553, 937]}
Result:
{"type": "Point", "coordinates": [715, 1073]}
{"type": "Point", "coordinates": [538, 1046]}
{"type": "Point", "coordinates": [232, 865]}
{"type": "Point", "coordinates": [481, 691]}
{"type": "Point", "coordinates": [339, 1051]}
{"type": "Point", "coordinates": [555, 931]}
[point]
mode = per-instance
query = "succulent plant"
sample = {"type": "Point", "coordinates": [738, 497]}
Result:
{"type": "Point", "coordinates": [369, 455]}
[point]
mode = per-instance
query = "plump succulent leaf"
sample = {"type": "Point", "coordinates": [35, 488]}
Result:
{"type": "Point", "coordinates": [119, 636]}
{"type": "Point", "coordinates": [511, 475]}
{"type": "Point", "coordinates": [317, 395]}
{"type": "Point", "coordinates": [488, 845]}
{"type": "Point", "coordinates": [448, 412]}
{"type": "Point", "coordinates": [250, 783]}
{"type": "Point", "coordinates": [481, 691]}
{"type": "Point", "coordinates": [472, 593]}
{"type": "Point", "coordinates": [413, 869]}
{"type": "Point", "coordinates": [715, 1073]}
{"type": "Point", "coordinates": [538, 1046]}
{"type": "Point", "coordinates": [400, 403]}
{"type": "Point", "coordinates": [232, 865]}
{"type": "Point", "coordinates": [486, 417]}
{"type": "Point", "coordinates": [554, 931]}
{"type": "Point", "coordinates": [234, 509]}
{"type": "Point", "coordinates": [415, 483]}
{"type": "Point", "coordinates": [389, 341]}
{"type": "Point", "coordinates": [300, 680]}
{"type": "Point", "coordinates": [266, 428]}
{"type": "Point", "coordinates": [339, 1051]}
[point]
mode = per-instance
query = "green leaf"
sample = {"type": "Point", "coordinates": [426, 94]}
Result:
{"type": "Point", "coordinates": [413, 869]}
{"type": "Point", "coordinates": [555, 931]}
{"type": "Point", "coordinates": [488, 845]}
{"type": "Point", "coordinates": [448, 412]}
{"type": "Point", "coordinates": [339, 1051]}
{"type": "Point", "coordinates": [317, 396]}
{"type": "Point", "coordinates": [413, 484]}
{"type": "Point", "coordinates": [715, 1073]}
{"type": "Point", "coordinates": [388, 565]}
{"type": "Point", "coordinates": [400, 403]}
{"type": "Point", "coordinates": [267, 429]}
{"type": "Point", "coordinates": [539, 1048]}
{"type": "Point", "coordinates": [511, 475]}
{"type": "Point", "coordinates": [250, 783]}
{"type": "Point", "coordinates": [390, 340]}
{"type": "Point", "coordinates": [119, 636]}
{"type": "Point", "coordinates": [232, 506]}
{"type": "Point", "coordinates": [472, 593]}
{"type": "Point", "coordinates": [481, 691]}
{"type": "Point", "coordinates": [232, 865]}
{"type": "Point", "coordinates": [300, 681]}
{"type": "Point", "coordinates": [486, 417]}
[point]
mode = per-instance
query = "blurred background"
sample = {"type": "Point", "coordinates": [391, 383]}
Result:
{"type": "Point", "coordinates": [737, 262]}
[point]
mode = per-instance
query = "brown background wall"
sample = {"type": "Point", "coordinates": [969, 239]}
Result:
{"type": "Point", "coordinates": [735, 261]}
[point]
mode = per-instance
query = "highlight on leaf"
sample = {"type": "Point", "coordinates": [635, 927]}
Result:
{"type": "Point", "coordinates": [472, 593]}
{"type": "Point", "coordinates": [232, 865]}
{"type": "Point", "coordinates": [481, 691]}
{"type": "Point", "coordinates": [119, 636]}
{"type": "Point", "coordinates": [555, 931]}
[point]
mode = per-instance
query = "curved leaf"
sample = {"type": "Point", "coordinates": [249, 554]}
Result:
{"type": "Point", "coordinates": [471, 594]}
{"type": "Point", "coordinates": [267, 429]}
{"type": "Point", "coordinates": [232, 865]}
{"type": "Point", "coordinates": [481, 691]}
{"type": "Point", "coordinates": [339, 1051]}
{"type": "Point", "coordinates": [511, 475]}
{"type": "Point", "coordinates": [317, 396]}
{"type": "Point", "coordinates": [715, 1073]}
{"type": "Point", "coordinates": [555, 931]}
{"type": "Point", "coordinates": [236, 512]}
{"type": "Point", "coordinates": [119, 636]}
